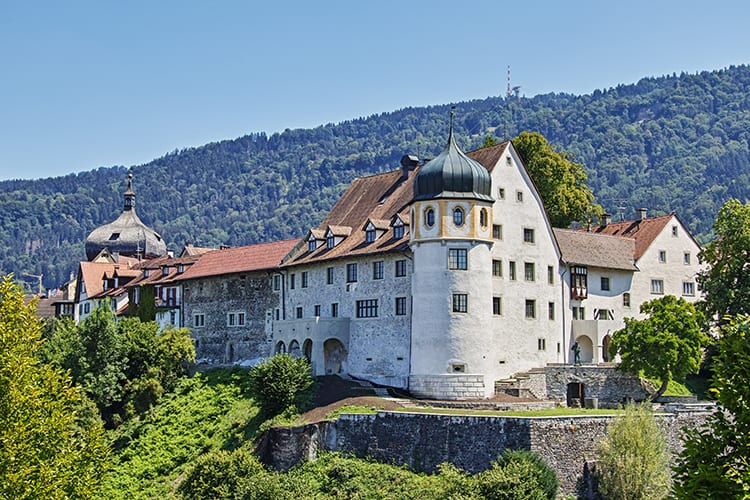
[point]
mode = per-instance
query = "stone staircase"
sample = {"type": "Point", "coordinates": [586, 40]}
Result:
{"type": "Point", "coordinates": [530, 384]}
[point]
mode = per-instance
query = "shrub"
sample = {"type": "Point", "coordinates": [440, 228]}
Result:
{"type": "Point", "coordinates": [218, 474]}
{"type": "Point", "coordinates": [633, 458]}
{"type": "Point", "coordinates": [281, 383]}
{"type": "Point", "coordinates": [518, 474]}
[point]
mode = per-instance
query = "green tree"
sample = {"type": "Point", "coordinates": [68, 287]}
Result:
{"type": "Point", "coordinates": [50, 446]}
{"type": "Point", "coordinates": [518, 474]}
{"type": "Point", "coordinates": [633, 457]}
{"type": "Point", "coordinates": [282, 383]}
{"type": "Point", "coordinates": [561, 181]}
{"type": "Point", "coordinates": [667, 345]}
{"type": "Point", "coordinates": [715, 463]}
{"type": "Point", "coordinates": [726, 282]}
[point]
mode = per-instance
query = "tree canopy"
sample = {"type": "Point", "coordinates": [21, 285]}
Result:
{"type": "Point", "coordinates": [51, 443]}
{"type": "Point", "coordinates": [726, 281]}
{"type": "Point", "coordinates": [561, 181]}
{"type": "Point", "coordinates": [666, 345]}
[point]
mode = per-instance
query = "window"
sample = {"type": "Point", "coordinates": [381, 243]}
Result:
{"type": "Point", "coordinates": [335, 310]}
{"type": "Point", "coordinates": [370, 235]}
{"type": "Point", "coordinates": [519, 196]}
{"type": "Point", "coordinates": [311, 245]}
{"type": "Point", "coordinates": [497, 268]}
{"type": "Point", "coordinates": [674, 231]}
{"type": "Point", "coordinates": [528, 235]}
{"type": "Point", "coordinates": [400, 306]}
{"type": "Point", "coordinates": [657, 287]}
{"type": "Point", "coordinates": [497, 232]}
{"type": "Point", "coordinates": [398, 232]}
{"type": "Point", "coordinates": [180, 268]}
{"type": "Point", "coordinates": [688, 288]}
{"type": "Point", "coordinates": [457, 258]}
{"type": "Point", "coordinates": [377, 270]}
{"type": "Point", "coordinates": [501, 193]}
{"type": "Point", "coordinates": [236, 319]}
{"type": "Point", "coordinates": [351, 273]}
{"type": "Point", "coordinates": [626, 299]}
{"type": "Point", "coordinates": [367, 308]}
{"type": "Point", "coordinates": [579, 283]}
{"type": "Point", "coordinates": [686, 258]}
{"type": "Point", "coordinates": [329, 276]}
{"type": "Point", "coordinates": [541, 344]}
{"type": "Point", "coordinates": [317, 310]}
{"type": "Point", "coordinates": [530, 308]}
{"type": "Point", "coordinates": [497, 306]}
{"type": "Point", "coordinates": [241, 319]}
{"type": "Point", "coordinates": [551, 311]}
{"type": "Point", "coordinates": [199, 320]}
{"type": "Point", "coordinates": [604, 314]}
{"type": "Point", "coordinates": [662, 256]}
{"type": "Point", "coordinates": [458, 368]}
{"type": "Point", "coordinates": [550, 275]}
{"type": "Point", "coordinates": [299, 312]}
{"type": "Point", "coordinates": [400, 268]}
{"type": "Point", "coordinates": [458, 216]}
{"type": "Point", "coordinates": [579, 313]}
{"type": "Point", "coordinates": [277, 282]}
{"type": "Point", "coordinates": [429, 217]}
{"type": "Point", "coordinates": [291, 281]}
{"type": "Point", "coordinates": [278, 314]}
{"type": "Point", "coordinates": [304, 279]}
{"type": "Point", "coordinates": [165, 270]}
{"type": "Point", "coordinates": [483, 217]}
{"type": "Point", "coordinates": [512, 270]}
{"type": "Point", "coordinates": [114, 236]}
{"type": "Point", "coordinates": [330, 241]}
{"type": "Point", "coordinates": [529, 271]}
{"type": "Point", "coordinates": [604, 283]}
{"type": "Point", "coordinates": [460, 302]}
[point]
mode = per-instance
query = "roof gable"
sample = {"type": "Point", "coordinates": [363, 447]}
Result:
{"type": "Point", "coordinates": [643, 231]}
{"type": "Point", "coordinates": [258, 257]}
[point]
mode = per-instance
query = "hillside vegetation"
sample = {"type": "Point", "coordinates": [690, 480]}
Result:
{"type": "Point", "coordinates": [672, 143]}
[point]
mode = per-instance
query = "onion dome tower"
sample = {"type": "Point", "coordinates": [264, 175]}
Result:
{"type": "Point", "coordinates": [126, 235]}
{"type": "Point", "coordinates": [451, 239]}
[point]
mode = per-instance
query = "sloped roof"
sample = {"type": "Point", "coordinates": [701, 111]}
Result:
{"type": "Point", "coordinates": [375, 197]}
{"type": "Point", "coordinates": [596, 250]}
{"type": "Point", "coordinates": [643, 231]}
{"type": "Point", "coordinates": [240, 259]}
{"type": "Point", "coordinates": [490, 155]}
{"type": "Point", "coordinates": [92, 274]}
{"type": "Point", "coordinates": [190, 250]}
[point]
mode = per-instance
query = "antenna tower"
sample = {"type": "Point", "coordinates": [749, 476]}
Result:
{"type": "Point", "coordinates": [509, 92]}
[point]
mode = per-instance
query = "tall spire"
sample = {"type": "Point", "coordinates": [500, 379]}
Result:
{"type": "Point", "coordinates": [129, 194]}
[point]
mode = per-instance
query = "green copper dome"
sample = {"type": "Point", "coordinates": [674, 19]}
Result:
{"type": "Point", "coordinates": [452, 174]}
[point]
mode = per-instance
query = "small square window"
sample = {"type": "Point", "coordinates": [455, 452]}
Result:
{"type": "Point", "coordinates": [458, 258]}
{"type": "Point", "coordinates": [497, 268]}
{"type": "Point", "coordinates": [460, 302]}
{"type": "Point", "coordinates": [604, 283]}
{"type": "Point", "coordinates": [199, 320]}
{"type": "Point", "coordinates": [541, 344]}
{"type": "Point", "coordinates": [501, 193]}
{"type": "Point", "coordinates": [674, 230]}
{"type": "Point", "coordinates": [400, 268]}
{"type": "Point", "coordinates": [497, 232]}
{"type": "Point", "coordinates": [662, 256]}
{"type": "Point", "coordinates": [530, 308]}
{"type": "Point", "coordinates": [657, 287]}
{"type": "Point", "coordinates": [528, 235]}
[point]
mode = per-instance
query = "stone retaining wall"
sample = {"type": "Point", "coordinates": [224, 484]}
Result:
{"type": "Point", "coordinates": [449, 386]}
{"type": "Point", "coordinates": [423, 441]}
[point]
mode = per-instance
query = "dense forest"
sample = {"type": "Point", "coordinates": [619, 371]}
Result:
{"type": "Point", "coordinates": [671, 143]}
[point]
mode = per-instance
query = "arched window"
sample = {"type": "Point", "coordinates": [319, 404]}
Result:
{"type": "Point", "coordinates": [429, 217]}
{"type": "Point", "coordinates": [483, 218]}
{"type": "Point", "coordinates": [458, 216]}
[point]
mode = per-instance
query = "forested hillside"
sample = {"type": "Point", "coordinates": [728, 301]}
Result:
{"type": "Point", "coordinates": [673, 143]}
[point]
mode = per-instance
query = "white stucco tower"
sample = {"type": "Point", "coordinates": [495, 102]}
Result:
{"type": "Point", "coordinates": [451, 241]}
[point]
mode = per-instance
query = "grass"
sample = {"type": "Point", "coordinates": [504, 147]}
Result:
{"type": "Point", "coordinates": [353, 409]}
{"type": "Point", "coordinates": [552, 412]}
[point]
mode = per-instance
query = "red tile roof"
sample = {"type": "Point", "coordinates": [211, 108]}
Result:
{"type": "Point", "coordinates": [240, 259]}
{"type": "Point", "coordinates": [644, 231]}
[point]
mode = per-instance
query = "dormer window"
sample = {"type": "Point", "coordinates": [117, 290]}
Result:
{"type": "Point", "coordinates": [180, 269]}
{"type": "Point", "coordinates": [164, 270]}
{"type": "Point", "coordinates": [330, 241]}
{"type": "Point", "coordinates": [370, 235]}
{"type": "Point", "coordinates": [398, 232]}
{"type": "Point", "coordinates": [146, 273]}
{"type": "Point", "coordinates": [312, 245]}
{"type": "Point", "coordinates": [114, 236]}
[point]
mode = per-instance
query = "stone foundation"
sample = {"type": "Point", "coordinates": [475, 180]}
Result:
{"type": "Point", "coordinates": [449, 386]}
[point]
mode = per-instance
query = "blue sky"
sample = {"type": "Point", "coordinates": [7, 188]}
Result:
{"type": "Point", "coordinates": [86, 84]}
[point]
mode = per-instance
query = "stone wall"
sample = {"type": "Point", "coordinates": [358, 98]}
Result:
{"type": "Point", "coordinates": [610, 386]}
{"type": "Point", "coordinates": [450, 387]}
{"type": "Point", "coordinates": [472, 443]}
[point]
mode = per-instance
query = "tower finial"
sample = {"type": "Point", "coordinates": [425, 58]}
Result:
{"type": "Point", "coordinates": [450, 130]}
{"type": "Point", "coordinates": [130, 194]}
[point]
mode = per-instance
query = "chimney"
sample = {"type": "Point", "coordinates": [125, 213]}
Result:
{"type": "Point", "coordinates": [606, 219]}
{"type": "Point", "coordinates": [408, 162]}
{"type": "Point", "coordinates": [641, 213]}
